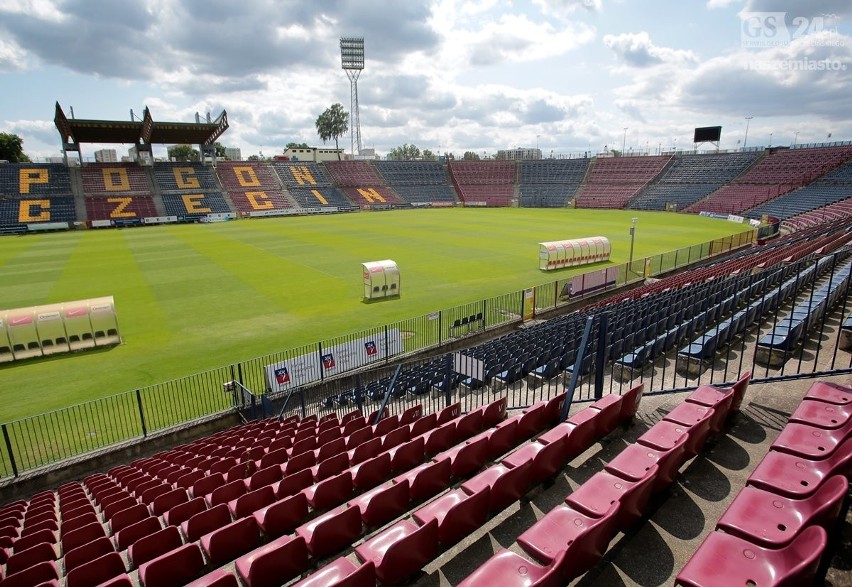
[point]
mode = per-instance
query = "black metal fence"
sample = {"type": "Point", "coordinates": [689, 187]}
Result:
{"type": "Point", "coordinates": [39, 441]}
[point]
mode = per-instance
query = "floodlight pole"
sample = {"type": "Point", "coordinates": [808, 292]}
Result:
{"type": "Point", "coordinates": [632, 239]}
{"type": "Point", "coordinates": [745, 138]}
{"type": "Point", "coordinates": [624, 142]}
{"type": "Point", "coordinates": [352, 61]}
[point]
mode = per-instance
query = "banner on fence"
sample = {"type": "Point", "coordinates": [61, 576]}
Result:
{"type": "Point", "coordinates": [334, 360]}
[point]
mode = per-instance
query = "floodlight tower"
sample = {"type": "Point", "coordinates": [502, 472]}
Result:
{"type": "Point", "coordinates": [352, 60]}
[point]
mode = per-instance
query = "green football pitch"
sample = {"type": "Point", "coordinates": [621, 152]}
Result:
{"type": "Point", "coordinates": [194, 297]}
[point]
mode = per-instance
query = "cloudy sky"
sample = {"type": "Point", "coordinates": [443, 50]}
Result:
{"type": "Point", "coordinates": [446, 75]}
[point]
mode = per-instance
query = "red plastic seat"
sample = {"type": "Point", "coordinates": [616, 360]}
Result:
{"type": "Point", "coordinates": [241, 471]}
{"type": "Point", "coordinates": [354, 424]}
{"type": "Point", "coordinates": [333, 465]}
{"type": "Point", "coordinates": [665, 436]}
{"type": "Point", "coordinates": [359, 437]}
{"type": "Point", "coordinates": [833, 393]}
{"type": "Point", "coordinates": [585, 538]}
{"type": "Point", "coordinates": [330, 449]}
{"type": "Point", "coordinates": [114, 507]}
{"type": "Point", "coordinates": [810, 442]}
{"type": "Point", "coordinates": [128, 516]}
{"type": "Point", "coordinates": [410, 415]}
{"type": "Point", "coordinates": [178, 514]}
{"type": "Point", "coordinates": [122, 580]}
{"type": "Point", "coordinates": [697, 418]}
{"type": "Point", "coordinates": [423, 424]}
{"type": "Point", "coordinates": [230, 541]}
{"type": "Point", "coordinates": [330, 492]}
{"type": "Point", "coordinates": [723, 560]}
{"type": "Point", "coordinates": [821, 414]}
{"type": "Point", "coordinates": [494, 412]}
{"type": "Point", "coordinates": [43, 572]}
{"type": "Point", "coordinates": [440, 438]}
{"type": "Point", "coordinates": [365, 451]}
{"type": "Point", "coordinates": [267, 476]}
{"type": "Point", "coordinates": [303, 443]}
{"type": "Point", "coordinates": [274, 563]}
{"type": "Point", "coordinates": [427, 479]}
{"type": "Point", "coordinates": [205, 522]}
{"type": "Point", "coordinates": [609, 413]}
{"type": "Point", "coordinates": [796, 477]}
{"type": "Point", "coordinates": [207, 484]}
{"type": "Point", "coordinates": [449, 413]}
{"type": "Point", "coordinates": [407, 455]}
{"type": "Point", "coordinates": [596, 496]}
{"type": "Point", "coordinates": [134, 532]}
{"type": "Point", "coordinates": [719, 399]}
{"type": "Point", "coordinates": [635, 460]}
{"type": "Point", "coordinates": [772, 521]}
{"type": "Point", "coordinates": [740, 388]}
{"type": "Point", "coordinates": [457, 513]}
{"type": "Point", "coordinates": [78, 537]}
{"type": "Point", "coordinates": [149, 495]}
{"type": "Point", "coordinates": [509, 569]}
{"type": "Point", "coordinates": [382, 504]}
{"type": "Point", "coordinates": [501, 439]}
{"type": "Point", "coordinates": [630, 403]}
{"type": "Point", "coordinates": [88, 552]}
{"type": "Point", "coordinates": [217, 578]}
{"type": "Point", "coordinates": [466, 457]}
{"type": "Point", "coordinates": [174, 568]}
{"type": "Point", "coordinates": [165, 502]}
{"type": "Point", "coordinates": [23, 559]}
{"type": "Point", "coordinates": [189, 479]}
{"type": "Point", "coordinates": [395, 437]}
{"type": "Point", "coordinates": [505, 484]}
{"type": "Point", "coordinates": [273, 457]}
{"type": "Point", "coordinates": [544, 460]}
{"type": "Point", "coordinates": [282, 516]}
{"type": "Point", "coordinates": [96, 571]}
{"type": "Point", "coordinates": [585, 432]}
{"type": "Point", "coordinates": [401, 550]}
{"type": "Point", "coordinates": [371, 472]}
{"type": "Point", "coordinates": [293, 484]}
{"type": "Point", "coordinates": [227, 492]}
{"type": "Point", "coordinates": [252, 501]}
{"type": "Point", "coordinates": [342, 573]}
{"type": "Point", "coordinates": [332, 531]}
{"type": "Point", "coordinates": [150, 547]}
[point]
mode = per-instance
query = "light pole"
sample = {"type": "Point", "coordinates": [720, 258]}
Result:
{"type": "Point", "coordinates": [770, 139]}
{"type": "Point", "coordinates": [745, 138]}
{"type": "Point", "coordinates": [632, 239]}
{"type": "Point", "coordinates": [796, 138]}
{"type": "Point", "coordinates": [624, 141]}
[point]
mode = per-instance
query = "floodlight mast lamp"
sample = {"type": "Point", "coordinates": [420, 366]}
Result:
{"type": "Point", "coordinates": [632, 239]}
{"type": "Point", "coordinates": [352, 61]}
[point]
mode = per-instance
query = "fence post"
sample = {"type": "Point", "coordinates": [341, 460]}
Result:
{"type": "Point", "coordinates": [448, 374]}
{"type": "Point", "coordinates": [141, 414]}
{"type": "Point", "coordinates": [358, 392]}
{"type": "Point", "coordinates": [387, 354]}
{"type": "Point", "coordinates": [601, 358]}
{"type": "Point", "coordinates": [321, 369]}
{"type": "Point", "coordinates": [9, 450]}
{"type": "Point", "coordinates": [240, 374]}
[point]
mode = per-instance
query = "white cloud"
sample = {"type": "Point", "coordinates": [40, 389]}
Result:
{"type": "Point", "coordinates": [637, 50]}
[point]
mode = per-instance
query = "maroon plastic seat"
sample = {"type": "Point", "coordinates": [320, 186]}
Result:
{"type": "Point", "coordinates": [293, 484]}
{"type": "Point", "coordinates": [274, 457]}
{"type": "Point", "coordinates": [466, 457]}
{"type": "Point", "coordinates": [207, 484]}
{"type": "Point", "coordinates": [723, 560]}
{"type": "Point", "coordinates": [134, 532]}
{"type": "Point", "coordinates": [122, 580]}
{"type": "Point", "coordinates": [230, 541]}
{"type": "Point", "coordinates": [150, 547]}
{"type": "Point", "coordinates": [821, 414]}
{"type": "Point", "coordinates": [719, 399]}
{"type": "Point", "coordinates": [189, 479]}
{"type": "Point", "coordinates": [501, 439]}
{"type": "Point", "coordinates": [217, 578]}
{"type": "Point", "coordinates": [332, 531]}
{"type": "Point", "coordinates": [372, 471]}
{"type": "Point", "coordinates": [585, 432]}
{"type": "Point", "coordinates": [88, 552]}
{"type": "Point", "coordinates": [41, 523]}
{"type": "Point", "coordinates": [37, 574]}
{"type": "Point", "coordinates": [183, 511]}
{"type": "Point", "coordinates": [395, 437]}
{"type": "Point", "coordinates": [174, 568]}
{"type": "Point", "coordinates": [401, 550]}
{"type": "Point", "coordinates": [241, 470]}
{"type": "Point", "coordinates": [225, 493]}
{"type": "Point", "coordinates": [740, 388]}
{"type": "Point", "coordinates": [810, 442]}
{"type": "Point", "coordinates": [457, 513]}
{"type": "Point", "coordinates": [772, 521]}
{"type": "Point", "coordinates": [282, 516]}
{"type": "Point", "coordinates": [385, 425]}
{"type": "Point", "coordinates": [564, 437]}
{"type": "Point", "coordinates": [382, 504]}
{"type": "Point", "coordinates": [449, 413]}
{"type": "Point", "coordinates": [596, 496]}
{"type": "Point", "coordinates": [697, 418]}
{"type": "Point", "coordinates": [222, 466]}
{"type": "Point", "coordinates": [128, 516]}
{"type": "Point", "coordinates": [424, 424]}
{"type": "Point", "coordinates": [630, 403]}
{"type": "Point", "coordinates": [274, 563]}
{"type": "Point", "coordinates": [23, 559]}
{"type": "Point", "coordinates": [585, 538]}
{"type": "Point", "coordinates": [248, 503]}
{"type": "Point", "coordinates": [505, 484]}
{"type": "Point", "coordinates": [165, 502]}
{"type": "Point", "coordinates": [410, 415]}
{"type": "Point", "coordinates": [96, 571]}
{"type": "Point", "coordinates": [349, 416]}
{"type": "Point", "coordinates": [365, 451]}
{"type": "Point", "coordinates": [665, 436]}
{"type": "Point", "coordinates": [796, 477]}
{"type": "Point", "coordinates": [359, 437]}
{"type": "Point", "coordinates": [205, 522]}
{"type": "Point", "coordinates": [440, 438]}
{"type": "Point", "coordinates": [114, 507]}
{"type": "Point", "coordinates": [635, 460]}
{"type": "Point", "coordinates": [426, 480]}
{"type": "Point", "coordinates": [330, 466]}
{"type": "Point", "coordinates": [330, 449]}
{"type": "Point", "coordinates": [81, 536]}
{"type": "Point", "coordinates": [833, 393]}
{"type": "Point", "coordinates": [298, 462]}
{"type": "Point", "coordinates": [352, 425]}
{"type": "Point", "coordinates": [329, 492]}
{"type": "Point", "coordinates": [342, 573]}
{"type": "Point", "coordinates": [149, 495]}
{"type": "Point", "coordinates": [609, 413]}
{"type": "Point", "coordinates": [407, 455]}
{"type": "Point", "coordinates": [509, 569]}
{"type": "Point", "coordinates": [544, 460]}
{"type": "Point", "coordinates": [267, 476]}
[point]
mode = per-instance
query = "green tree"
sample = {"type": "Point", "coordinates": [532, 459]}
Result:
{"type": "Point", "coordinates": [332, 124]}
{"type": "Point", "coordinates": [12, 148]}
{"type": "Point", "coordinates": [292, 145]}
{"type": "Point", "coordinates": [470, 156]}
{"type": "Point", "coordinates": [220, 150]}
{"type": "Point", "coordinates": [428, 155]}
{"type": "Point", "coordinates": [184, 153]}
{"type": "Point", "coordinates": [404, 152]}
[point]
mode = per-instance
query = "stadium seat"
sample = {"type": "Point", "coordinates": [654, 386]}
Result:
{"type": "Point", "coordinates": [427, 479]}
{"type": "Point", "coordinates": [505, 484]}
{"type": "Point", "coordinates": [371, 472]}
{"type": "Point", "coordinates": [810, 442]}
{"type": "Point", "coordinates": [331, 531]}
{"type": "Point", "coordinates": [829, 392]}
{"type": "Point", "coordinates": [79, 536]}
{"type": "Point", "coordinates": [796, 477]}
{"type": "Point", "coordinates": [248, 503]}
{"type": "Point", "coordinates": [401, 550]}
{"type": "Point", "coordinates": [294, 483]}
{"type": "Point", "coordinates": [329, 492]}
{"type": "Point", "coordinates": [509, 569]}
{"type": "Point", "coordinates": [342, 573]}
{"type": "Point", "coordinates": [228, 492]}
{"type": "Point", "coordinates": [175, 568]}
{"type": "Point", "coordinates": [182, 511]}
{"type": "Point", "coordinates": [217, 578]}
{"type": "Point", "coordinates": [541, 461]}
{"type": "Point", "coordinates": [128, 516]}
{"type": "Point", "coordinates": [821, 414]}
{"type": "Point", "coordinates": [150, 547]}
{"type": "Point", "coordinates": [635, 460]}
{"type": "Point", "coordinates": [96, 571]}
{"type": "Point", "coordinates": [230, 541]}
{"type": "Point", "coordinates": [595, 496]}
{"type": "Point", "coordinates": [88, 552]}
{"type": "Point", "coordinates": [43, 572]}
{"type": "Point", "coordinates": [697, 418]}
{"type": "Point", "coordinates": [719, 400]}
{"type": "Point", "coordinates": [458, 513]}
{"type": "Point", "coordinates": [20, 560]}
{"type": "Point", "coordinates": [163, 503]}
{"type": "Point", "coordinates": [274, 563]}
{"type": "Point", "coordinates": [382, 504]}
{"type": "Point", "coordinates": [205, 522]}
{"type": "Point", "coordinates": [466, 457]}
{"type": "Point", "coordinates": [282, 516]}
{"type": "Point", "coordinates": [407, 455]}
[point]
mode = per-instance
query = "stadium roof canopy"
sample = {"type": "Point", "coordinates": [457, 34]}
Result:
{"type": "Point", "coordinates": [145, 132]}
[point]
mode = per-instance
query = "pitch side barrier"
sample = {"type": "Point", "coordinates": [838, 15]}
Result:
{"type": "Point", "coordinates": [318, 369]}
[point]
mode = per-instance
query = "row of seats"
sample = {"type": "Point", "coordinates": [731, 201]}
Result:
{"type": "Point", "coordinates": [574, 536]}
{"type": "Point", "coordinates": [176, 177]}
{"type": "Point", "coordinates": [777, 528]}
{"type": "Point", "coordinates": [29, 180]}
{"type": "Point", "coordinates": [106, 179]}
